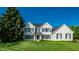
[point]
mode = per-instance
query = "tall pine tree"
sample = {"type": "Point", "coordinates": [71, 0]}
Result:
{"type": "Point", "coordinates": [11, 25]}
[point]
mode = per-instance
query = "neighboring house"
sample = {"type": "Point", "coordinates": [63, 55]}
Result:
{"type": "Point", "coordinates": [47, 32]}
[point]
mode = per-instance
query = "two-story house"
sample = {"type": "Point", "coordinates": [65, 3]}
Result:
{"type": "Point", "coordinates": [47, 32]}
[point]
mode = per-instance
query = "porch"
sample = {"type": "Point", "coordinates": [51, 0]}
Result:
{"type": "Point", "coordinates": [38, 37]}
{"type": "Point", "coordinates": [42, 37]}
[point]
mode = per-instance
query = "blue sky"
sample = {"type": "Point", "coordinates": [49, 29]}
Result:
{"type": "Point", "coordinates": [55, 16]}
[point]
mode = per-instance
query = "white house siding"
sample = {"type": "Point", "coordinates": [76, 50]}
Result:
{"type": "Point", "coordinates": [63, 30]}
{"type": "Point", "coordinates": [29, 25]}
{"type": "Point", "coordinates": [46, 37]}
{"type": "Point", "coordinates": [46, 25]}
{"type": "Point", "coordinates": [63, 37]}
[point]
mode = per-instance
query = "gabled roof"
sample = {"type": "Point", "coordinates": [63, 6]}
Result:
{"type": "Point", "coordinates": [61, 27]}
{"type": "Point", "coordinates": [38, 24]}
{"type": "Point", "coordinates": [29, 23]}
{"type": "Point", "coordinates": [55, 28]}
{"type": "Point", "coordinates": [47, 24]}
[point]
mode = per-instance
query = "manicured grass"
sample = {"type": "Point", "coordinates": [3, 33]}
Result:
{"type": "Point", "coordinates": [40, 46]}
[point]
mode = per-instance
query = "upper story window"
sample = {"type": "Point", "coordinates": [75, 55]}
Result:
{"type": "Point", "coordinates": [29, 29]}
{"type": "Point", "coordinates": [59, 36]}
{"type": "Point", "coordinates": [37, 30]}
{"type": "Point", "coordinates": [46, 29]}
{"type": "Point", "coordinates": [32, 29]}
{"type": "Point", "coordinates": [67, 36]}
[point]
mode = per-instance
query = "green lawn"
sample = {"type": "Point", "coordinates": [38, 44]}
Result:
{"type": "Point", "coordinates": [40, 46]}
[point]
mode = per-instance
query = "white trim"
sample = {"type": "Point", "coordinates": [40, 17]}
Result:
{"type": "Point", "coordinates": [61, 27]}
{"type": "Point", "coordinates": [30, 24]}
{"type": "Point", "coordinates": [46, 23]}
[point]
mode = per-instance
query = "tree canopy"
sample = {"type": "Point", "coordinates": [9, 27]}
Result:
{"type": "Point", "coordinates": [11, 24]}
{"type": "Point", "coordinates": [76, 31]}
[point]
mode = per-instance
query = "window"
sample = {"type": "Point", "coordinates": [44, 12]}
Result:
{"type": "Point", "coordinates": [37, 30]}
{"type": "Point", "coordinates": [59, 36]}
{"type": "Point", "coordinates": [46, 29]}
{"type": "Point", "coordinates": [46, 36]}
{"type": "Point", "coordinates": [29, 29]}
{"type": "Point", "coordinates": [32, 29]}
{"type": "Point", "coordinates": [67, 36]}
{"type": "Point", "coordinates": [29, 36]}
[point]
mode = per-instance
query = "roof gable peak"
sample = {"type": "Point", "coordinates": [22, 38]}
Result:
{"type": "Point", "coordinates": [63, 26]}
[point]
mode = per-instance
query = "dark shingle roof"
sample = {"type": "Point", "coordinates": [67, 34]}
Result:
{"type": "Point", "coordinates": [55, 28]}
{"type": "Point", "coordinates": [37, 25]}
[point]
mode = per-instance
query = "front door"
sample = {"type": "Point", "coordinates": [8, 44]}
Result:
{"type": "Point", "coordinates": [38, 37]}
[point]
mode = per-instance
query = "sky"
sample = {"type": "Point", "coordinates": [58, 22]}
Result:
{"type": "Point", "coordinates": [55, 16]}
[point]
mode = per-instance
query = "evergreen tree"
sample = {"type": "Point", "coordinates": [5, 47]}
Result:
{"type": "Point", "coordinates": [12, 25]}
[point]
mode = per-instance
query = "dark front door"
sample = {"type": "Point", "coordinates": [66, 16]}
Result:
{"type": "Point", "coordinates": [37, 36]}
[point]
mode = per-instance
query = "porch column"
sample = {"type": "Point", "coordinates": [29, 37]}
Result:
{"type": "Point", "coordinates": [51, 37]}
{"type": "Point", "coordinates": [34, 37]}
{"type": "Point", "coordinates": [40, 37]}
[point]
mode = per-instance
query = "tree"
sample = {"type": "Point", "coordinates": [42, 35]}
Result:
{"type": "Point", "coordinates": [12, 25]}
{"type": "Point", "coordinates": [76, 32]}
